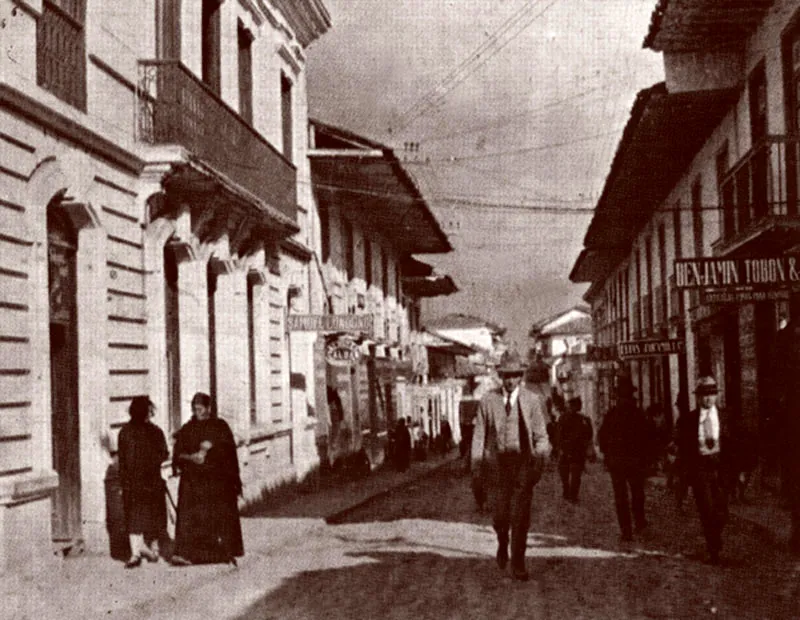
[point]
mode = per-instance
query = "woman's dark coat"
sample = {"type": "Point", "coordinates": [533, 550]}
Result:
{"type": "Point", "coordinates": [141, 451]}
{"type": "Point", "coordinates": [208, 527]}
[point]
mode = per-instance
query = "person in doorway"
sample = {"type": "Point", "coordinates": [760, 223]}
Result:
{"type": "Point", "coordinates": [208, 528]}
{"type": "Point", "coordinates": [142, 449]}
{"type": "Point", "coordinates": [575, 432]}
{"type": "Point", "coordinates": [626, 443]}
{"type": "Point", "coordinates": [510, 437]}
{"type": "Point", "coordinates": [701, 441]}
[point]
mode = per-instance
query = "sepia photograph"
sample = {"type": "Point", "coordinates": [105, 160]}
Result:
{"type": "Point", "coordinates": [399, 309]}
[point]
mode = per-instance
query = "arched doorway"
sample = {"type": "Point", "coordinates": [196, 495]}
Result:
{"type": "Point", "coordinates": [62, 247]}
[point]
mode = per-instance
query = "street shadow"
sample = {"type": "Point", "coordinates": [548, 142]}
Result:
{"type": "Point", "coordinates": [398, 578]}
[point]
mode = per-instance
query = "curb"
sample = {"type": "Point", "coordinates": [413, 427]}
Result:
{"type": "Point", "coordinates": [339, 516]}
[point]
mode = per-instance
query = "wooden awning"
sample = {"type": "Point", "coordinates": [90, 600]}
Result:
{"type": "Point", "coordinates": [429, 286]}
{"type": "Point", "coordinates": [703, 25]}
{"type": "Point", "coordinates": [369, 184]}
{"type": "Point", "coordinates": [664, 133]}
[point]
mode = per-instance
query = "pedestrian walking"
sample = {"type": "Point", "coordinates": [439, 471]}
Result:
{"type": "Point", "coordinates": [626, 443]}
{"type": "Point", "coordinates": [510, 440]}
{"type": "Point", "coordinates": [142, 449]}
{"type": "Point", "coordinates": [208, 528]}
{"type": "Point", "coordinates": [402, 446]}
{"type": "Point", "coordinates": [575, 433]}
{"type": "Point", "coordinates": [701, 441]}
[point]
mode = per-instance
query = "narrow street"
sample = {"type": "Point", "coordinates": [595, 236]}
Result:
{"type": "Point", "coordinates": [426, 552]}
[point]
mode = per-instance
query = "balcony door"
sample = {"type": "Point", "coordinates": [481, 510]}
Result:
{"type": "Point", "coordinates": [791, 78]}
{"type": "Point", "coordinates": [168, 29]}
{"type": "Point", "coordinates": [211, 44]}
{"type": "Point", "coordinates": [61, 250]}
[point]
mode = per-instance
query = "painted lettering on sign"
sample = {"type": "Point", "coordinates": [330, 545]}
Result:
{"type": "Point", "coordinates": [330, 322]}
{"type": "Point", "coordinates": [737, 272]}
{"type": "Point", "coordinates": [342, 352]}
{"type": "Point", "coordinates": [649, 348]}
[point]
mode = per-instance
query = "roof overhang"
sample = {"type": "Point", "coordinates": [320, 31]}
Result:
{"type": "Point", "coordinates": [703, 25]}
{"type": "Point", "coordinates": [664, 133]}
{"type": "Point", "coordinates": [429, 286]}
{"type": "Point", "coordinates": [369, 184]}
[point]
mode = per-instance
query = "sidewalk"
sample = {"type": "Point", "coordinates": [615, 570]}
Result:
{"type": "Point", "coordinates": [94, 585]}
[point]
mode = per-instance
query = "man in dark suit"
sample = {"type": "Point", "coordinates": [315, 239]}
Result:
{"type": "Point", "coordinates": [626, 441]}
{"type": "Point", "coordinates": [510, 437]}
{"type": "Point", "coordinates": [701, 441]}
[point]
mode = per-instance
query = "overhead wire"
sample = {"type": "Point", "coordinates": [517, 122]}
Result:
{"type": "Point", "coordinates": [474, 55]}
{"type": "Point", "coordinates": [483, 60]}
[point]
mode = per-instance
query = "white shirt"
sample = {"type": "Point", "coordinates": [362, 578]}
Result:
{"type": "Point", "coordinates": [512, 398]}
{"type": "Point", "coordinates": [712, 415]}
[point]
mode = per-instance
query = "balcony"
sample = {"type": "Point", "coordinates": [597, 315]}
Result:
{"type": "Point", "coordinates": [758, 198]}
{"type": "Point", "coordinates": [175, 107]}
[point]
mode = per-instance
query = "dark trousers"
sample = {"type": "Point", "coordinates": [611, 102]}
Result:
{"type": "Point", "coordinates": [570, 471]}
{"type": "Point", "coordinates": [517, 474]}
{"type": "Point", "coordinates": [709, 495]}
{"type": "Point", "coordinates": [621, 481]}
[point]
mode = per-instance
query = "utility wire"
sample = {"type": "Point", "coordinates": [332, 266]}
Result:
{"type": "Point", "coordinates": [474, 55]}
{"type": "Point", "coordinates": [479, 62]}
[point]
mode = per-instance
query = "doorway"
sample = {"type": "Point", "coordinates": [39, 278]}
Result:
{"type": "Point", "coordinates": [62, 245]}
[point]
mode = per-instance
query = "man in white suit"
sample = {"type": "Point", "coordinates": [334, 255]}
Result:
{"type": "Point", "coordinates": [510, 441]}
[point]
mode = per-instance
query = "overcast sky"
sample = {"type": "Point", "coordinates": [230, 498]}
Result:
{"type": "Point", "coordinates": [517, 105]}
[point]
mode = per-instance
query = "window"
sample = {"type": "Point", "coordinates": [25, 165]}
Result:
{"type": "Point", "coordinates": [211, 36]}
{"type": "Point", "coordinates": [211, 280]}
{"type": "Point", "coordinates": [286, 116]}
{"type": "Point", "coordinates": [245, 39]}
{"type": "Point", "coordinates": [697, 216]}
{"type": "Point", "coordinates": [385, 274]}
{"type": "Point", "coordinates": [61, 50]}
{"type": "Point", "coordinates": [757, 87]}
{"type": "Point", "coordinates": [325, 233]}
{"type": "Point", "coordinates": [173, 341]}
{"type": "Point", "coordinates": [676, 225]}
{"type": "Point", "coordinates": [368, 262]}
{"type": "Point", "coordinates": [168, 29]}
{"type": "Point", "coordinates": [349, 258]}
{"type": "Point", "coordinates": [725, 193]}
{"type": "Point", "coordinates": [251, 347]}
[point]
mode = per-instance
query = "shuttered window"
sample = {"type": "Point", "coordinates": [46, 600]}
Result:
{"type": "Point", "coordinates": [61, 50]}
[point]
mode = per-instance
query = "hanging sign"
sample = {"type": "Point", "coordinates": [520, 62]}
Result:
{"type": "Point", "coordinates": [649, 348]}
{"type": "Point", "coordinates": [330, 322]}
{"type": "Point", "coordinates": [725, 273]}
{"type": "Point", "coordinates": [342, 352]}
{"type": "Point", "coordinates": [742, 296]}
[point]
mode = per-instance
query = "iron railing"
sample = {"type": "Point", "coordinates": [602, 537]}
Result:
{"type": "Point", "coordinates": [175, 107]}
{"type": "Point", "coordinates": [762, 184]}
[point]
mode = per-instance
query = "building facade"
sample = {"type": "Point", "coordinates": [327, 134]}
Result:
{"type": "Point", "coordinates": [370, 218]}
{"type": "Point", "coordinates": [154, 200]}
{"type": "Point", "coordinates": [706, 176]}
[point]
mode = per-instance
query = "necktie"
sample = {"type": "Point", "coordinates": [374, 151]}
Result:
{"type": "Point", "coordinates": [508, 404]}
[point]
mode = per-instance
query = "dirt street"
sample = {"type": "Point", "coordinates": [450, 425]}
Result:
{"type": "Point", "coordinates": [426, 552]}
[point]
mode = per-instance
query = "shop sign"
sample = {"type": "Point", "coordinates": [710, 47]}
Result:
{"type": "Point", "coordinates": [342, 352]}
{"type": "Point", "coordinates": [726, 273]}
{"type": "Point", "coordinates": [649, 348]}
{"type": "Point", "coordinates": [742, 296]}
{"type": "Point", "coordinates": [330, 322]}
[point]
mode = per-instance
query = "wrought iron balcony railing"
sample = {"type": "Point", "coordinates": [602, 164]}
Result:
{"type": "Point", "coordinates": [761, 185]}
{"type": "Point", "coordinates": [175, 107]}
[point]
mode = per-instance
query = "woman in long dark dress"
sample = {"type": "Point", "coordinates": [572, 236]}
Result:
{"type": "Point", "coordinates": [142, 449]}
{"type": "Point", "coordinates": [208, 528]}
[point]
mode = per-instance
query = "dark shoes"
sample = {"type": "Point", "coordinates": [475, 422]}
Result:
{"type": "Point", "coordinates": [134, 561]}
{"type": "Point", "coordinates": [502, 555]}
{"type": "Point", "coordinates": [520, 574]}
{"type": "Point", "coordinates": [150, 556]}
{"type": "Point", "coordinates": [177, 560]}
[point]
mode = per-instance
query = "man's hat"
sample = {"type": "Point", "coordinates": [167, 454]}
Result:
{"type": "Point", "coordinates": [706, 386]}
{"type": "Point", "coordinates": [510, 364]}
